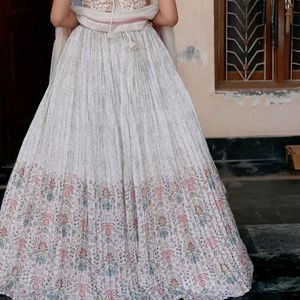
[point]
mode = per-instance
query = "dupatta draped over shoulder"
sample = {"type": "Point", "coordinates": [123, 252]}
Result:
{"type": "Point", "coordinates": [113, 22]}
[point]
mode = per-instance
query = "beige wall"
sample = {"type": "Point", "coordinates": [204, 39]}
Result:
{"type": "Point", "coordinates": [225, 114]}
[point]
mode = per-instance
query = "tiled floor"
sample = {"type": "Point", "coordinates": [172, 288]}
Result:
{"type": "Point", "coordinates": [265, 199]}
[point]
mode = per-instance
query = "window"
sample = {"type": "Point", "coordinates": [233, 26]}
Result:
{"type": "Point", "coordinates": [257, 44]}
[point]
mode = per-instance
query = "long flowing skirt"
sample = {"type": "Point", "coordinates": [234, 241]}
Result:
{"type": "Point", "coordinates": [114, 194]}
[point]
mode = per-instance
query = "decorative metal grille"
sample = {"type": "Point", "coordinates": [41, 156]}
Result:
{"type": "Point", "coordinates": [245, 38]}
{"type": "Point", "coordinates": [295, 41]}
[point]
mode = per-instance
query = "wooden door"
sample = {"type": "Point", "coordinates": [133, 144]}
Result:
{"type": "Point", "coordinates": [26, 40]}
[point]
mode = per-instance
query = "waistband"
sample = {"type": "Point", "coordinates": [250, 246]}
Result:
{"type": "Point", "coordinates": [115, 21]}
{"type": "Point", "coordinates": [115, 27]}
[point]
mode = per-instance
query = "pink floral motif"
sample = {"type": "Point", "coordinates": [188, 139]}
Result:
{"type": "Point", "coordinates": [68, 190]}
{"type": "Point", "coordinates": [211, 242]}
{"type": "Point", "coordinates": [36, 181]}
{"type": "Point", "coordinates": [83, 252]}
{"type": "Point", "coordinates": [29, 208]}
{"type": "Point", "coordinates": [224, 267]}
{"type": "Point", "coordinates": [145, 228]}
{"type": "Point", "coordinates": [14, 271]}
{"type": "Point", "coordinates": [159, 191]}
{"type": "Point", "coordinates": [64, 218]}
{"type": "Point", "coordinates": [43, 246]}
{"type": "Point", "coordinates": [173, 282]}
{"type": "Point", "coordinates": [47, 218]}
{"type": "Point", "coordinates": [106, 193]}
{"type": "Point", "coordinates": [82, 289]}
{"type": "Point", "coordinates": [135, 223]}
{"type": "Point", "coordinates": [182, 219]}
{"type": "Point", "coordinates": [52, 183]}
{"type": "Point", "coordinates": [228, 229]}
{"type": "Point", "coordinates": [201, 279]}
{"type": "Point", "coordinates": [3, 231]}
{"type": "Point", "coordinates": [198, 210]}
{"type": "Point", "coordinates": [21, 243]}
{"type": "Point", "coordinates": [174, 186]}
{"type": "Point", "coordinates": [190, 184]}
{"type": "Point", "coordinates": [162, 220]}
{"type": "Point", "coordinates": [12, 204]}
{"type": "Point", "coordinates": [21, 171]}
{"type": "Point", "coordinates": [242, 260]}
{"type": "Point", "coordinates": [167, 255]}
{"type": "Point", "coordinates": [191, 247]}
{"type": "Point", "coordinates": [133, 194]}
{"type": "Point", "coordinates": [111, 295]}
{"type": "Point", "coordinates": [108, 228]}
{"type": "Point", "coordinates": [84, 225]}
{"type": "Point", "coordinates": [144, 192]}
{"type": "Point", "coordinates": [109, 257]}
{"type": "Point", "coordinates": [158, 289]}
{"type": "Point", "coordinates": [220, 204]}
{"type": "Point", "coordinates": [63, 254]}
{"type": "Point", "coordinates": [37, 282]}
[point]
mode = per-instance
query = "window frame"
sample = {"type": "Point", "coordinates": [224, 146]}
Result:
{"type": "Point", "coordinates": [281, 72]}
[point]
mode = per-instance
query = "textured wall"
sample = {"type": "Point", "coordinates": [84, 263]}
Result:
{"type": "Point", "coordinates": [225, 114]}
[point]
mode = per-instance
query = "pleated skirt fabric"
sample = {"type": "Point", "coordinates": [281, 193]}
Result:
{"type": "Point", "coordinates": [114, 194]}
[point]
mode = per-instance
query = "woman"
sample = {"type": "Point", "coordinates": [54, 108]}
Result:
{"type": "Point", "coordinates": [114, 194]}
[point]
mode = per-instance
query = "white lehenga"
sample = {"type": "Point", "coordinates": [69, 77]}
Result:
{"type": "Point", "coordinates": [114, 194]}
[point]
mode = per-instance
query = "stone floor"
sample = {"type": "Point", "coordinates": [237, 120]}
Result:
{"type": "Point", "coordinates": [265, 199]}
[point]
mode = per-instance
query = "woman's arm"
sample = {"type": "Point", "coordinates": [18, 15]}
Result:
{"type": "Point", "coordinates": [167, 15]}
{"type": "Point", "coordinates": [62, 15]}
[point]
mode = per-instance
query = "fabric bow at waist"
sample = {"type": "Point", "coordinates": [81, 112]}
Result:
{"type": "Point", "coordinates": [117, 21]}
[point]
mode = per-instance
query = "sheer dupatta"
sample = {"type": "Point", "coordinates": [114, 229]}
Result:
{"type": "Point", "coordinates": [166, 33]}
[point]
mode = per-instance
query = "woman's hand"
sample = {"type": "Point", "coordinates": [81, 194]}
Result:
{"type": "Point", "coordinates": [167, 15]}
{"type": "Point", "coordinates": [62, 15]}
